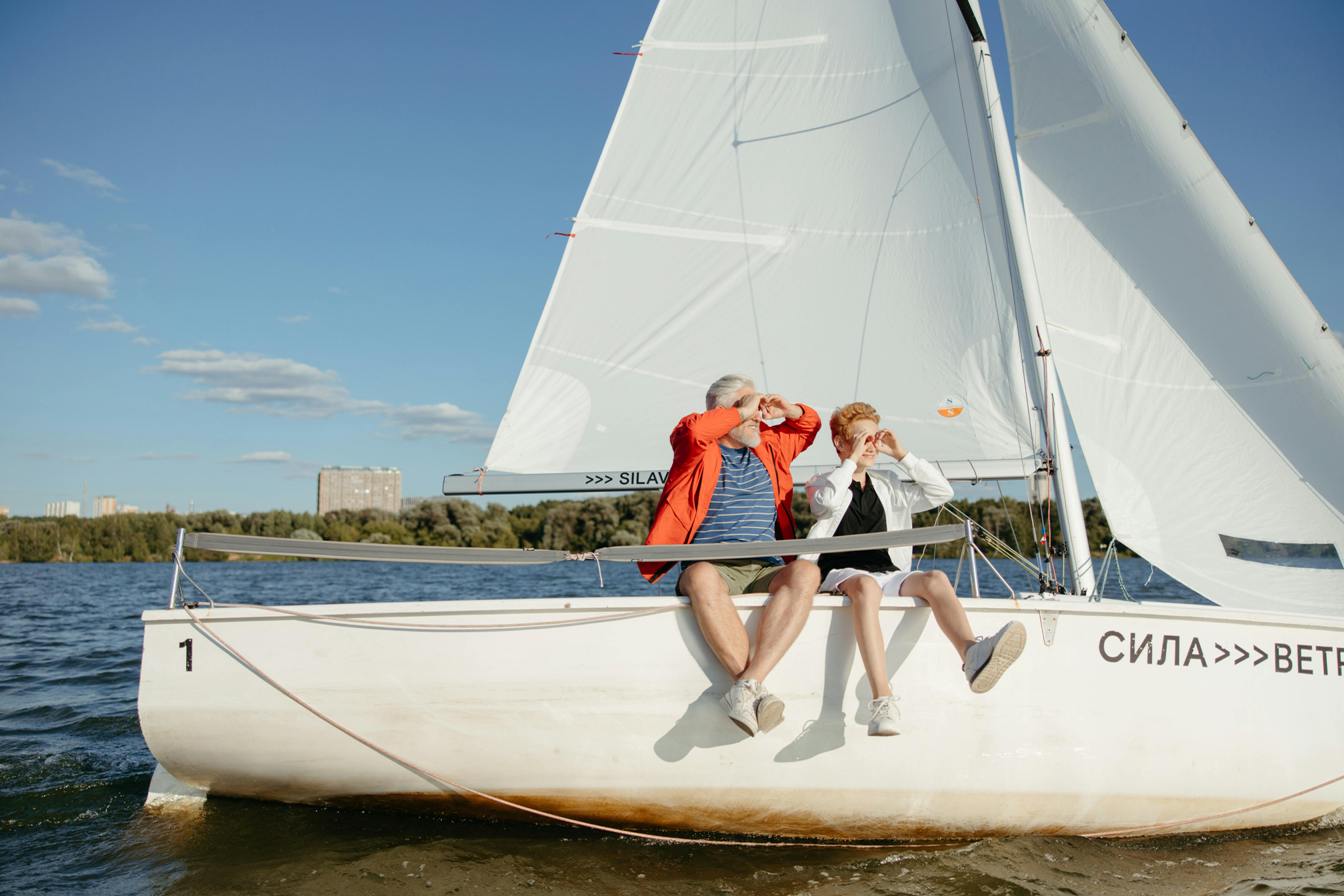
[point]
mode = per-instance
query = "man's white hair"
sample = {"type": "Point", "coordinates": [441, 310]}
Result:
{"type": "Point", "coordinates": [722, 390]}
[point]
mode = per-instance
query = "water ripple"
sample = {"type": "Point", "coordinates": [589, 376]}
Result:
{"type": "Point", "coordinates": [74, 771]}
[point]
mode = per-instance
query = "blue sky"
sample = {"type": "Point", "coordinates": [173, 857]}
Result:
{"type": "Point", "coordinates": [242, 241]}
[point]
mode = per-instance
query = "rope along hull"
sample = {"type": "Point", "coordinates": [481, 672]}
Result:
{"type": "Point", "coordinates": [1116, 718]}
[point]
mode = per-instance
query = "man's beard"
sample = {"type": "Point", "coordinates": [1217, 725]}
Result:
{"type": "Point", "coordinates": [747, 434]}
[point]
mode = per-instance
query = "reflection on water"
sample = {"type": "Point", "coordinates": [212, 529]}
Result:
{"type": "Point", "coordinates": [288, 849]}
{"type": "Point", "coordinates": [74, 771]}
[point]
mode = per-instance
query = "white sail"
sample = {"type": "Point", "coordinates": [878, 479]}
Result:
{"type": "Point", "coordinates": [1207, 392]}
{"type": "Point", "coordinates": [801, 192]}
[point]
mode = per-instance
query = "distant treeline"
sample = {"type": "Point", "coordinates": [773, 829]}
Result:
{"type": "Point", "coordinates": [564, 525]}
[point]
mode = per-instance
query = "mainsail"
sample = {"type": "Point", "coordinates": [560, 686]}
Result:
{"type": "Point", "coordinates": [1207, 391]}
{"type": "Point", "coordinates": [802, 192]}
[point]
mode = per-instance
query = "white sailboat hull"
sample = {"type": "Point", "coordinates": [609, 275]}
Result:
{"type": "Point", "coordinates": [618, 721]}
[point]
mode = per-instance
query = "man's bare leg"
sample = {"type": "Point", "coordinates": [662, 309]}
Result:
{"type": "Point", "coordinates": [717, 616]}
{"type": "Point", "coordinates": [865, 596]}
{"type": "Point", "coordinates": [935, 589]}
{"type": "Point", "coordinates": [791, 593]}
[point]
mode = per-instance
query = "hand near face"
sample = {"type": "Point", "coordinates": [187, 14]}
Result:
{"type": "Point", "coordinates": [750, 405]}
{"type": "Point", "coordinates": [775, 406]}
{"type": "Point", "coordinates": [887, 443]}
{"type": "Point", "coordinates": [858, 443]}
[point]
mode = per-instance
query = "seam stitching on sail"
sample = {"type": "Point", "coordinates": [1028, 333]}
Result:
{"type": "Point", "coordinates": [1213, 385]}
{"type": "Point", "coordinates": [1188, 187]}
{"type": "Point", "coordinates": [771, 76]}
{"type": "Point", "coordinates": [793, 229]}
{"type": "Point", "coordinates": [768, 241]}
{"type": "Point", "coordinates": [614, 365]}
{"type": "Point", "coordinates": [722, 46]}
{"type": "Point", "coordinates": [1076, 27]}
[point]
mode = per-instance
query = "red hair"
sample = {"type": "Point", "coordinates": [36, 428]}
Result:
{"type": "Point", "coordinates": [845, 417]}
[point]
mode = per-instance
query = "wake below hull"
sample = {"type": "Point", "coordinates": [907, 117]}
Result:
{"type": "Point", "coordinates": [1117, 716]}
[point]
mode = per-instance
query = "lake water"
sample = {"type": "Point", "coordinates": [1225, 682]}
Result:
{"type": "Point", "coordinates": [74, 771]}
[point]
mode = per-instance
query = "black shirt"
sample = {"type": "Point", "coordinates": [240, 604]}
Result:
{"type": "Point", "coordinates": [864, 515]}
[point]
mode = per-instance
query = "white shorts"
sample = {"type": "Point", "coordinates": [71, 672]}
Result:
{"type": "Point", "coordinates": [889, 582]}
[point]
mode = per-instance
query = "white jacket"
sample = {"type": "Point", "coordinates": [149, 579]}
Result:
{"type": "Point", "coordinates": [829, 495]}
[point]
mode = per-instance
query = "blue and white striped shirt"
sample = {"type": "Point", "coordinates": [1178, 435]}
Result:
{"type": "Point", "coordinates": [742, 507]}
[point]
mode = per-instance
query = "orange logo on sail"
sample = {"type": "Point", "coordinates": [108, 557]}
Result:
{"type": "Point", "coordinates": [950, 408]}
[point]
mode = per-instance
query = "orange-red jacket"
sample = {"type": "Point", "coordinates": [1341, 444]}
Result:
{"type": "Point", "coordinates": [696, 463]}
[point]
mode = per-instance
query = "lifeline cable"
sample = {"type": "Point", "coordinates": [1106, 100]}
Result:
{"type": "Point", "coordinates": [415, 769]}
{"type": "Point", "coordinates": [355, 622]}
{"type": "Point", "coordinates": [443, 627]}
{"type": "Point", "coordinates": [1138, 830]}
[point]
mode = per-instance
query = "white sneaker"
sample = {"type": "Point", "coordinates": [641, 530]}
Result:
{"type": "Point", "coordinates": [988, 658]}
{"type": "Point", "coordinates": [769, 710]}
{"type": "Point", "coordinates": [885, 717]}
{"type": "Point", "coordinates": [740, 704]}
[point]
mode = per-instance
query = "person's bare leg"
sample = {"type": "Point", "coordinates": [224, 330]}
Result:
{"type": "Point", "coordinates": [717, 616]}
{"type": "Point", "coordinates": [791, 593]}
{"type": "Point", "coordinates": [865, 596]}
{"type": "Point", "coordinates": [935, 589]}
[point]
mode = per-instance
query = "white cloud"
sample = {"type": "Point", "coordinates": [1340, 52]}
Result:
{"type": "Point", "coordinates": [71, 274]}
{"type": "Point", "coordinates": [289, 388]}
{"type": "Point", "coordinates": [19, 234]}
{"type": "Point", "coordinates": [424, 421]}
{"type": "Point", "coordinates": [86, 176]}
{"type": "Point", "coordinates": [38, 257]}
{"type": "Point", "coordinates": [143, 340]}
{"type": "Point", "coordinates": [296, 319]}
{"type": "Point", "coordinates": [18, 308]}
{"type": "Point", "coordinates": [335, 290]}
{"type": "Point", "coordinates": [265, 457]}
{"type": "Point", "coordinates": [46, 455]}
{"type": "Point", "coordinates": [271, 385]}
{"type": "Point", "coordinates": [111, 325]}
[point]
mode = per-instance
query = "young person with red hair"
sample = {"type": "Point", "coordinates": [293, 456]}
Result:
{"type": "Point", "coordinates": [854, 499]}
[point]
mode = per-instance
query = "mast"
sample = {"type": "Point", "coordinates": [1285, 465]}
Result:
{"type": "Point", "coordinates": [1043, 381]}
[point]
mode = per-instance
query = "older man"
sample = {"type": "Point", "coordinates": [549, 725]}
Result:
{"type": "Point", "coordinates": [730, 482]}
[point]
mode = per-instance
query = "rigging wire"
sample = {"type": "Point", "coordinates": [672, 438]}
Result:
{"type": "Point", "coordinates": [1048, 583]}
{"type": "Point", "coordinates": [1110, 560]}
{"type": "Point", "coordinates": [919, 561]}
{"type": "Point", "coordinates": [986, 60]}
{"type": "Point", "coordinates": [1012, 524]}
{"type": "Point", "coordinates": [1007, 241]}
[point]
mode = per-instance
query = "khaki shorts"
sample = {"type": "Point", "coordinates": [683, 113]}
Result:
{"type": "Point", "coordinates": [743, 576]}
